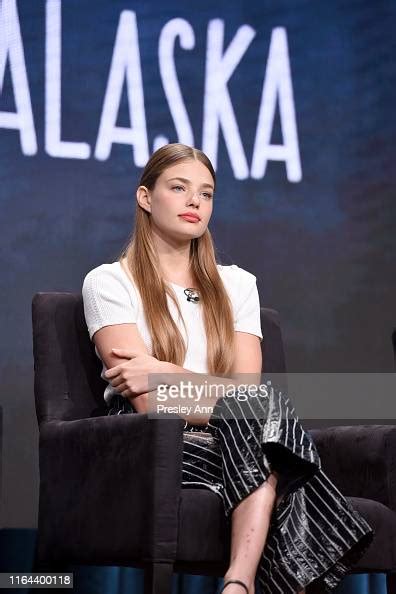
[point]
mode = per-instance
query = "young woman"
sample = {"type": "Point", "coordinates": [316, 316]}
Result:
{"type": "Point", "coordinates": [167, 307]}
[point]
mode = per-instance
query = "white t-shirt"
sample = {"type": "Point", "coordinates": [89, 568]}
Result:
{"type": "Point", "coordinates": [110, 297]}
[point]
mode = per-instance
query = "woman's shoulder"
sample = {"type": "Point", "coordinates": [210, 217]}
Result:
{"type": "Point", "coordinates": [114, 276]}
{"type": "Point", "coordinates": [108, 298]}
{"type": "Point", "coordinates": [239, 283]}
{"type": "Point", "coordinates": [109, 274]}
{"type": "Point", "coordinates": [235, 274]}
{"type": "Point", "coordinates": [106, 269]}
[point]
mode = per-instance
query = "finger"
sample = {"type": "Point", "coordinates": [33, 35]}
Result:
{"type": "Point", "coordinates": [120, 388]}
{"type": "Point", "coordinates": [117, 382]}
{"type": "Point", "coordinates": [124, 353]}
{"type": "Point", "coordinates": [113, 372]}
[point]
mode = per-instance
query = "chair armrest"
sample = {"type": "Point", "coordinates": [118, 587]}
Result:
{"type": "Point", "coordinates": [113, 479]}
{"type": "Point", "coordinates": [360, 460]}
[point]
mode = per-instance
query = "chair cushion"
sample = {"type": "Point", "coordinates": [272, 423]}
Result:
{"type": "Point", "coordinates": [381, 554]}
{"type": "Point", "coordinates": [204, 532]}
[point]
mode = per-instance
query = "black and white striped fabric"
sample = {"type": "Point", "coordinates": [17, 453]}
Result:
{"type": "Point", "coordinates": [315, 535]}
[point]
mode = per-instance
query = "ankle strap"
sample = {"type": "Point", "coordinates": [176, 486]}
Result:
{"type": "Point", "coordinates": [236, 582]}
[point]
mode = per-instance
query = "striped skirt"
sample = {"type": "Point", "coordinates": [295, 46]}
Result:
{"type": "Point", "coordinates": [315, 536]}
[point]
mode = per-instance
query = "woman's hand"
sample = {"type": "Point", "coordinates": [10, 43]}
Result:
{"type": "Point", "coordinates": [131, 378]}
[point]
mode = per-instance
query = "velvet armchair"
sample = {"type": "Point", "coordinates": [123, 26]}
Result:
{"type": "Point", "coordinates": [110, 486]}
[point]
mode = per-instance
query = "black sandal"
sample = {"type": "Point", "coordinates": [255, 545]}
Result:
{"type": "Point", "coordinates": [235, 582]}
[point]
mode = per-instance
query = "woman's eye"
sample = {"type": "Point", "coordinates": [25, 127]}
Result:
{"type": "Point", "coordinates": [206, 195]}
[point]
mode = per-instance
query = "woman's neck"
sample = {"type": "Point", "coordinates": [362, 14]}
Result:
{"type": "Point", "coordinates": [171, 276]}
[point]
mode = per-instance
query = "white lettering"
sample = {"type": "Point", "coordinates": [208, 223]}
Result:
{"type": "Point", "coordinates": [11, 46]}
{"type": "Point", "coordinates": [218, 108]}
{"type": "Point", "coordinates": [172, 29]}
{"type": "Point", "coordinates": [277, 83]}
{"type": "Point", "coordinates": [125, 65]}
{"type": "Point", "coordinates": [54, 146]}
{"type": "Point", "coordinates": [218, 111]}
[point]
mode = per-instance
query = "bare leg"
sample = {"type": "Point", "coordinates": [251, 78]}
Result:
{"type": "Point", "coordinates": [250, 523]}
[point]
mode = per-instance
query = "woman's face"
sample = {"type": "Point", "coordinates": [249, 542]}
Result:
{"type": "Point", "coordinates": [186, 187]}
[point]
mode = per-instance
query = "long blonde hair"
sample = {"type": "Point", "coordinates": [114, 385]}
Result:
{"type": "Point", "coordinates": [143, 264]}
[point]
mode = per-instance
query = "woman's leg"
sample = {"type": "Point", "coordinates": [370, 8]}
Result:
{"type": "Point", "coordinates": [250, 523]}
{"type": "Point", "coordinates": [243, 428]}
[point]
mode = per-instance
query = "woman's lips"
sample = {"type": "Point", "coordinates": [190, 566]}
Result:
{"type": "Point", "coordinates": [189, 218]}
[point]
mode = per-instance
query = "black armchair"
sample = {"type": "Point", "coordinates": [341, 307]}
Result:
{"type": "Point", "coordinates": [110, 486]}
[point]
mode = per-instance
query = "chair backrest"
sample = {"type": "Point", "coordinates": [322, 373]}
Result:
{"type": "Point", "coordinates": [67, 382]}
{"type": "Point", "coordinates": [272, 343]}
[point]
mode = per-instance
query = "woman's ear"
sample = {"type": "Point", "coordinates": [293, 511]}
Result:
{"type": "Point", "coordinates": [143, 197]}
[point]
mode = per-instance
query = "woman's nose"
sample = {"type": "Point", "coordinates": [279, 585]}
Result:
{"type": "Point", "coordinates": [194, 198]}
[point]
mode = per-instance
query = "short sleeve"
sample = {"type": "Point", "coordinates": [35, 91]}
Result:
{"type": "Point", "coordinates": [107, 300]}
{"type": "Point", "coordinates": [248, 310]}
